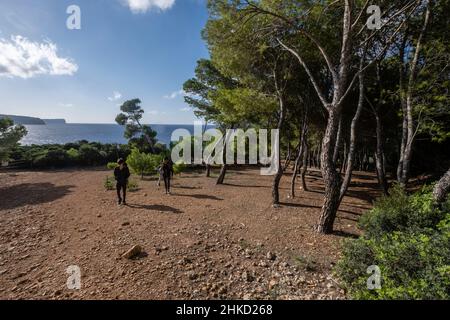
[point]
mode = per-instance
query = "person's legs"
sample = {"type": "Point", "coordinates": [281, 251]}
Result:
{"type": "Point", "coordinates": [124, 187]}
{"type": "Point", "coordinates": [166, 183]}
{"type": "Point", "coordinates": [118, 187]}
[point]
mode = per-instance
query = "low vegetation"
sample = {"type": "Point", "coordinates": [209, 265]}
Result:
{"type": "Point", "coordinates": [82, 153]}
{"type": "Point", "coordinates": [408, 238]}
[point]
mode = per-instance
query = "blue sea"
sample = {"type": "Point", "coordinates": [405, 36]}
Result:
{"type": "Point", "coordinates": [103, 133]}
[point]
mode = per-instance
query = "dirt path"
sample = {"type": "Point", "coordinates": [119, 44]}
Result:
{"type": "Point", "coordinates": [203, 241]}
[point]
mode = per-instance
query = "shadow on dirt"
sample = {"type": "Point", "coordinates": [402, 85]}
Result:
{"type": "Point", "coordinates": [31, 194]}
{"type": "Point", "coordinates": [155, 207]}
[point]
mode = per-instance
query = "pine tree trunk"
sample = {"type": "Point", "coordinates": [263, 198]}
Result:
{"type": "Point", "coordinates": [279, 174]}
{"type": "Point", "coordinates": [352, 146]}
{"type": "Point", "coordinates": [337, 147]}
{"type": "Point", "coordinates": [379, 156]}
{"type": "Point", "coordinates": [223, 169]}
{"type": "Point", "coordinates": [407, 98]}
{"type": "Point", "coordinates": [208, 171]}
{"type": "Point", "coordinates": [305, 166]}
{"type": "Point", "coordinates": [442, 188]}
{"type": "Point", "coordinates": [330, 176]}
{"type": "Point", "coordinates": [300, 159]}
{"type": "Point", "coordinates": [295, 172]}
{"type": "Point", "coordinates": [221, 177]}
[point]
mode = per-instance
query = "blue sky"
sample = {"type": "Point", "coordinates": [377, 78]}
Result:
{"type": "Point", "coordinates": [125, 49]}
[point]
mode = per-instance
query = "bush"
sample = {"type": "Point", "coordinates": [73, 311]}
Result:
{"type": "Point", "coordinates": [109, 183]}
{"type": "Point", "coordinates": [73, 155]}
{"type": "Point", "coordinates": [90, 155]}
{"type": "Point", "coordinates": [400, 212]}
{"type": "Point", "coordinates": [142, 163]}
{"type": "Point", "coordinates": [53, 157]}
{"type": "Point", "coordinates": [111, 165]}
{"type": "Point", "coordinates": [179, 167]}
{"type": "Point", "coordinates": [76, 153]}
{"type": "Point", "coordinates": [132, 186]}
{"type": "Point", "coordinates": [408, 238]}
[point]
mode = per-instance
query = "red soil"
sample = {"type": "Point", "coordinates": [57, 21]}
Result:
{"type": "Point", "coordinates": [203, 241]}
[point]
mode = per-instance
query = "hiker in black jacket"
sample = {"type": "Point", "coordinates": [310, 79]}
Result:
{"type": "Point", "coordinates": [167, 173]}
{"type": "Point", "coordinates": [122, 173]}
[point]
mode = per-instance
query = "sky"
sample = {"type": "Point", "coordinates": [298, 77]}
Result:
{"type": "Point", "coordinates": [125, 49]}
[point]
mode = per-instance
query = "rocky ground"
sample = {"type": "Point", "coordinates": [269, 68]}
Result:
{"type": "Point", "coordinates": [202, 242]}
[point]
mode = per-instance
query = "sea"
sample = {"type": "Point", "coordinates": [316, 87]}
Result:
{"type": "Point", "coordinates": [103, 133]}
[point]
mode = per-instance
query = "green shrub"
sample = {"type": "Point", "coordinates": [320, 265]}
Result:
{"type": "Point", "coordinates": [142, 163]}
{"type": "Point", "coordinates": [408, 238]}
{"type": "Point", "coordinates": [90, 155]}
{"type": "Point", "coordinates": [179, 167]}
{"type": "Point", "coordinates": [73, 154]}
{"type": "Point", "coordinates": [111, 165]}
{"type": "Point", "coordinates": [400, 212]}
{"type": "Point", "coordinates": [80, 153]}
{"type": "Point", "coordinates": [109, 183]}
{"type": "Point", "coordinates": [53, 157]}
{"type": "Point", "coordinates": [132, 186]}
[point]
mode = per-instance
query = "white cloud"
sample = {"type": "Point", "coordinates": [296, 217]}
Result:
{"type": "Point", "coordinates": [142, 6]}
{"type": "Point", "coordinates": [185, 109]}
{"type": "Point", "coordinates": [20, 57]}
{"type": "Point", "coordinates": [116, 96]}
{"type": "Point", "coordinates": [175, 94]}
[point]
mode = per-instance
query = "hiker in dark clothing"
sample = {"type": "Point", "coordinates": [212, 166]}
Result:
{"type": "Point", "coordinates": [122, 173]}
{"type": "Point", "coordinates": [167, 173]}
{"type": "Point", "coordinates": [171, 166]}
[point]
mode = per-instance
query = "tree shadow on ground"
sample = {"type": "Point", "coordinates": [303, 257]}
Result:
{"type": "Point", "coordinates": [199, 196]}
{"type": "Point", "coordinates": [345, 234]}
{"type": "Point", "coordinates": [155, 207]}
{"type": "Point", "coordinates": [368, 196]}
{"type": "Point", "coordinates": [298, 205]}
{"type": "Point", "coordinates": [187, 187]}
{"type": "Point", "coordinates": [244, 186]}
{"type": "Point", "coordinates": [31, 194]}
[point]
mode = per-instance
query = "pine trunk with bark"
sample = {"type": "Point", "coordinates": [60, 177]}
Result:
{"type": "Point", "coordinates": [353, 133]}
{"type": "Point", "coordinates": [330, 176]}
{"type": "Point", "coordinates": [279, 174]}
{"type": "Point", "coordinates": [305, 166]}
{"type": "Point", "coordinates": [406, 95]}
{"type": "Point", "coordinates": [223, 171]}
{"type": "Point", "coordinates": [379, 157]}
{"type": "Point", "coordinates": [300, 159]}
{"type": "Point", "coordinates": [295, 171]}
{"type": "Point", "coordinates": [442, 188]}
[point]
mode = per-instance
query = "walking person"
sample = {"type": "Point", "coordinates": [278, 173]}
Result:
{"type": "Point", "coordinates": [160, 173]}
{"type": "Point", "coordinates": [121, 174]}
{"type": "Point", "coordinates": [167, 173]}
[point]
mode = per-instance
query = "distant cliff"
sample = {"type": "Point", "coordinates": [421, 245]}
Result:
{"type": "Point", "coordinates": [54, 121]}
{"type": "Point", "coordinates": [23, 119]}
